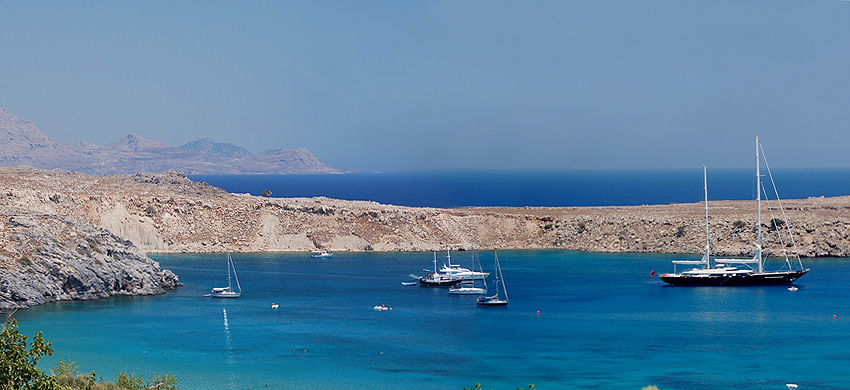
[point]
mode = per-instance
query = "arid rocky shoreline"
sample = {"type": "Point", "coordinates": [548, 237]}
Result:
{"type": "Point", "coordinates": [58, 224]}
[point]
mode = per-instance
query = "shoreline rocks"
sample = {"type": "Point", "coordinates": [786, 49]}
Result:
{"type": "Point", "coordinates": [48, 258]}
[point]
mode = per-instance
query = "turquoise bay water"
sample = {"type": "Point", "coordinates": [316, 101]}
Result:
{"type": "Point", "coordinates": [603, 324]}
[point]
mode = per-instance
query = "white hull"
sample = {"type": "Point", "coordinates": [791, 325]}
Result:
{"type": "Point", "coordinates": [464, 273]}
{"type": "Point", "coordinates": [456, 271]}
{"type": "Point", "coordinates": [467, 291]}
{"type": "Point", "coordinates": [226, 294]}
{"type": "Point", "coordinates": [322, 255]}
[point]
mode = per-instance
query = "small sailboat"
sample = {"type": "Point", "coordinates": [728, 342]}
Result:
{"type": "Point", "coordinates": [496, 299]}
{"type": "Point", "coordinates": [227, 292]}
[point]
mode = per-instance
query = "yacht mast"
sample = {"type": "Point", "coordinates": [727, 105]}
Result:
{"type": "Point", "coordinates": [435, 262]}
{"type": "Point", "coordinates": [229, 284]}
{"type": "Point", "coordinates": [501, 278]}
{"type": "Point", "coordinates": [707, 258]}
{"type": "Point", "coordinates": [758, 198]}
{"type": "Point", "coordinates": [235, 276]}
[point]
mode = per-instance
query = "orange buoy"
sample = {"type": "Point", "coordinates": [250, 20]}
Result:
{"type": "Point", "coordinates": [538, 312]}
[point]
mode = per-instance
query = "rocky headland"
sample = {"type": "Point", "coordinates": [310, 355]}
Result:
{"type": "Point", "coordinates": [70, 235]}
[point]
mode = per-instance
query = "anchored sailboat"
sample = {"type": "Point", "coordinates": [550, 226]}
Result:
{"type": "Point", "coordinates": [227, 292]}
{"type": "Point", "coordinates": [720, 274]}
{"type": "Point", "coordinates": [496, 299]}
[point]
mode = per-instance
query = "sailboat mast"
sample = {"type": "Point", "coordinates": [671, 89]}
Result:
{"type": "Point", "coordinates": [229, 285]}
{"type": "Point", "coordinates": [705, 188]}
{"type": "Point", "coordinates": [435, 262]}
{"type": "Point", "coordinates": [758, 198]}
{"type": "Point", "coordinates": [497, 274]}
{"type": "Point", "coordinates": [230, 259]}
{"type": "Point", "coordinates": [480, 267]}
{"type": "Point", "coordinates": [501, 278]}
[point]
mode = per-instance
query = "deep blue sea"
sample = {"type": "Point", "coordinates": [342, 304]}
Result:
{"type": "Point", "coordinates": [602, 324]}
{"type": "Point", "coordinates": [539, 188]}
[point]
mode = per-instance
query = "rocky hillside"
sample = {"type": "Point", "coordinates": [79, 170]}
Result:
{"type": "Point", "coordinates": [21, 143]}
{"type": "Point", "coordinates": [170, 213]}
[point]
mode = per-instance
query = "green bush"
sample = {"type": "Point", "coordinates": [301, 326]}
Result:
{"type": "Point", "coordinates": [19, 371]}
{"type": "Point", "coordinates": [18, 365]}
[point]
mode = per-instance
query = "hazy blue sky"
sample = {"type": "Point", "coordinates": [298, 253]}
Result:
{"type": "Point", "coordinates": [410, 85]}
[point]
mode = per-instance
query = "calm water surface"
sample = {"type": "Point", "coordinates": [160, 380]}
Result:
{"type": "Point", "coordinates": [602, 324]}
{"type": "Point", "coordinates": [540, 188]}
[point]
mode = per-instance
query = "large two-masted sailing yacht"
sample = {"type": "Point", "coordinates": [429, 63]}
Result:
{"type": "Point", "coordinates": [719, 272]}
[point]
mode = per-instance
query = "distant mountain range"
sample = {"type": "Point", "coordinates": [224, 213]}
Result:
{"type": "Point", "coordinates": [21, 143]}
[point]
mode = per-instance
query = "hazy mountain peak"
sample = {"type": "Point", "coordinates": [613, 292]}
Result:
{"type": "Point", "coordinates": [135, 143]}
{"type": "Point", "coordinates": [14, 130]}
{"type": "Point", "coordinates": [206, 145]}
{"type": "Point", "coordinates": [21, 143]}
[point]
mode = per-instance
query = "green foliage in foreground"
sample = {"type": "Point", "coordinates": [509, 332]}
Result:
{"type": "Point", "coordinates": [66, 375]}
{"type": "Point", "coordinates": [19, 371]}
{"type": "Point", "coordinates": [18, 364]}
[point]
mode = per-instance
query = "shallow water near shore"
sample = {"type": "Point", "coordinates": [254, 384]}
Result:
{"type": "Point", "coordinates": [602, 324]}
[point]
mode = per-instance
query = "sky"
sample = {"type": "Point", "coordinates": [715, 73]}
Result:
{"type": "Point", "coordinates": [435, 85]}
